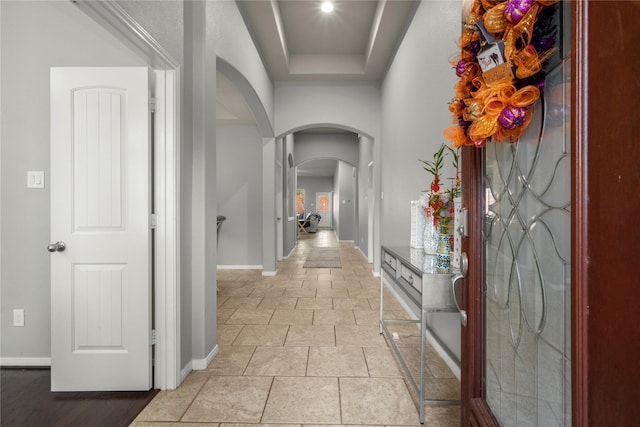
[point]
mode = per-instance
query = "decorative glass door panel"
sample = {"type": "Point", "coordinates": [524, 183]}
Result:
{"type": "Point", "coordinates": [527, 238]}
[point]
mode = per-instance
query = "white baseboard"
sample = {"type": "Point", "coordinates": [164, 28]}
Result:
{"type": "Point", "coordinates": [292, 249]}
{"type": "Point", "coordinates": [25, 361]}
{"type": "Point", "coordinates": [269, 273]}
{"type": "Point", "coordinates": [362, 253]}
{"type": "Point", "coordinates": [201, 364]}
{"type": "Point", "coordinates": [376, 274]}
{"type": "Point", "coordinates": [455, 368]}
{"type": "Point", "coordinates": [186, 371]}
{"type": "Point", "coordinates": [239, 267]}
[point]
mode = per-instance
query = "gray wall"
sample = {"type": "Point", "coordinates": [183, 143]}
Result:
{"type": "Point", "coordinates": [354, 106]}
{"type": "Point", "coordinates": [313, 185]}
{"type": "Point", "coordinates": [239, 195]}
{"type": "Point", "coordinates": [345, 148]}
{"type": "Point", "coordinates": [36, 36]}
{"type": "Point", "coordinates": [344, 209]}
{"type": "Point", "coordinates": [326, 146]}
{"type": "Point", "coordinates": [415, 94]}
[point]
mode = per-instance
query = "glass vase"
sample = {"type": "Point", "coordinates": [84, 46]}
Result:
{"type": "Point", "coordinates": [430, 236]}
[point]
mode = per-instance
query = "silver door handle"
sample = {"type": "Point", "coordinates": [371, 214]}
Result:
{"type": "Point", "coordinates": [463, 313]}
{"type": "Point", "coordinates": [57, 247]}
{"type": "Point", "coordinates": [464, 266]}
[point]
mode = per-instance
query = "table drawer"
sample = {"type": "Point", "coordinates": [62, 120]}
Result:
{"type": "Point", "coordinates": [411, 278]}
{"type": "Point", "coordinates": [390, 261]}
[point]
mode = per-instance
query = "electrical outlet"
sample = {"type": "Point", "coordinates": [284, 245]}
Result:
{"type": "Point", "coordinates": [18, 317]}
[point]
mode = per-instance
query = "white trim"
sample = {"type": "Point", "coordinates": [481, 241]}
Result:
{"type": "Point", "coordinates": [290, 252]}
{"type": "Point", "coordinates": [455, 368]}
{"type": "Point", "coordinates": [118, 22]}
{"type": "Point", "coordinates": [347, 241]}
{"type": "Point", "coordinates": [201, 364]}
{"type": "Point", "coordinates": [25, 361]}
{"type": "Point", "coordinates": [362, 253]}
{"type": "Point", "coordinates": [167, 232]}
{"type": "Point", "coordinates": [269, 273]}
{"type": "Point", "coordinates": [239, 267]}
{"type": "Point", "coordinates": [184, 373]}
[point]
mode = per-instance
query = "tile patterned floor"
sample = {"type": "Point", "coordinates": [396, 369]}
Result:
{"type": "Point", "coordinates": [302, 348]}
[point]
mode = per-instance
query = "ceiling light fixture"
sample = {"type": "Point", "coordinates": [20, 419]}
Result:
{"type": "Point", "coordinates": [327, 6]}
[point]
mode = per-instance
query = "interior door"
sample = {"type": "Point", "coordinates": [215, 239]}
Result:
{"type": "Point", "coordinates": [323, 203]}
{"type": "Point", "coordinates": [100, 212]}
{"type": "Point", "coordinates": [517, 342]}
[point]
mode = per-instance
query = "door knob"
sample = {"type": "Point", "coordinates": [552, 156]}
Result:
{"type": "Point", "coordinates": [56, 247]}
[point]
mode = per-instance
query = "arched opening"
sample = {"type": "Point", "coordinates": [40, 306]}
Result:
{"type": "Point", "coordinates": [243, 139]}
{"type": "Point", "coordinates": [331, 160]}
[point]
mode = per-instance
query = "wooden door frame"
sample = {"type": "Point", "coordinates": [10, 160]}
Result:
{"type": "Point", "coordinates": [475, 411]}
{"type": "Point", "coordinates": [605, 295]}
{"type": "Point", "coordinates": [602, 379]}
{"type": "Point", "coordinates": [579, 226]}
{"type": "Point", "coordinates": [474, 407]}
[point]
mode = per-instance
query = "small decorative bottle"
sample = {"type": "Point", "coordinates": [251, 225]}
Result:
{"type": "Point", "coordinates": [443, 253]}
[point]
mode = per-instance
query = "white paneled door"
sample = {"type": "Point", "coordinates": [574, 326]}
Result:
{"type": "Point", "coordinates": [100, 210]}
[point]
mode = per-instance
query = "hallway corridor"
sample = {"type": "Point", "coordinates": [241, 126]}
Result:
{"type": "Point", "coordinates": [302, 348]}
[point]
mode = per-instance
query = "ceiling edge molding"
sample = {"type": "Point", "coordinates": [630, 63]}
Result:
{"type": "Point", "coordinates": [282, 38]}
{"type": "Point", "coordinates": [374, 31]}
{"type": "Point", "coordinates": [111, 15]}
{"type": "Point", "coordinates": [410, 16]}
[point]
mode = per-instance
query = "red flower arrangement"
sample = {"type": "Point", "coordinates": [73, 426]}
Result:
{"type": "Point", "coordinates": [439, 205]}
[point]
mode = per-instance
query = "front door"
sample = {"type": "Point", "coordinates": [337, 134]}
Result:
{"type": "Point", "coordinates": [100, 212]}
{"type": "Point", "coordinates": [517, 342]}
{"type": "Point", "coordinates": [323, 202]}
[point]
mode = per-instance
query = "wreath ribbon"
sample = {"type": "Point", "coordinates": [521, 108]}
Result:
{"type": "Point", "coordinates": [498, 111]}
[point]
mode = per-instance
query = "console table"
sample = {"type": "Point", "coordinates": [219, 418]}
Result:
{"type": "Point", "coordinates": [412, 273]}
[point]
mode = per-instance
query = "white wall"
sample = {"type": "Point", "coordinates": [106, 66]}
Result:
{"type": "Point", "coordinates": [214, 39]}
{"type": "Point", "coordinates": [353, 106]}
{"type": "Point", "coordinates": [356, 106]}
{"type": "Point", "coordinates": [239, 195]}
{"type": "Point", "coordinates": [415, 96]}
{"type": "Point", "coordinates": [34, 37]}
{"type": "Point", "coordinates": [345, 202]}
{"type": "Point", "coordinates": [235, 47]}
{"type": "Point", "coordinates": [163, 19]}
{"type": "Point", "coordinates": [311, 146]}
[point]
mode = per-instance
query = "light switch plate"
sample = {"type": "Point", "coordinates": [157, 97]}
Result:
{"type": "Point", "coordinates": [18, 317]}
{"type": "Point", "coordinates": [35, 179]}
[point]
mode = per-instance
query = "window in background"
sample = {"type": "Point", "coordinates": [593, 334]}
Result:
{"type": "Point", "coordinates": [300, 201]}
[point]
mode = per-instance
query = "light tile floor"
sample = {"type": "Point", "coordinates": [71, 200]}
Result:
{"type": "Point", "coordinates": [303, 348]}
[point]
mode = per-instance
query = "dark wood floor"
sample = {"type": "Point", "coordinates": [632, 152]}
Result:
{"type": "Point", "coordinates": [26, 401]}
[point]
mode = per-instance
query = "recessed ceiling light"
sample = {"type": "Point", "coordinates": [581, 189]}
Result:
{"type": "Point", "coordinates": [327, 6]}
